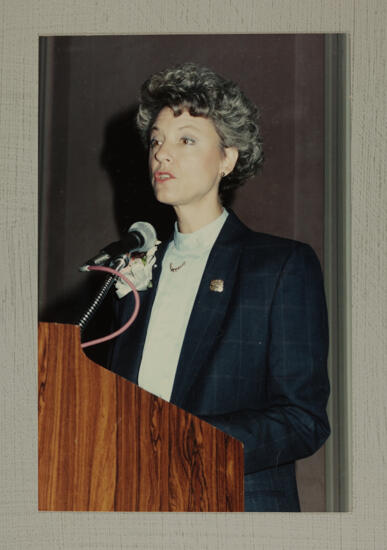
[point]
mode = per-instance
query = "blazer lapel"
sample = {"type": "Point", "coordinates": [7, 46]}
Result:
{"type": "Point", "coordinates": [210, 306]}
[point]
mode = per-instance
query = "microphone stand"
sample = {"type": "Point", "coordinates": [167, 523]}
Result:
{"type": "Point", "coordinates": [118, 264]}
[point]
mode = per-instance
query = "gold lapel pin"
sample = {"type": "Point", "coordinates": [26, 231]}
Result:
{"type": "Point", "coordinates": [217, 285]}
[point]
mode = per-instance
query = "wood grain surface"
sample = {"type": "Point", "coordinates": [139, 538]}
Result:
{"type": "Point", "coordinates": [107, 445]}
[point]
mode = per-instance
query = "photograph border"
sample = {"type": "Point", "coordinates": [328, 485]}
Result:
{"type": "Point", "coordinates": [21, 525]}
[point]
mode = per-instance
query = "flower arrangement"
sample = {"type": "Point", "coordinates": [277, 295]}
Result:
{"type": "Point", "coordinates": [138, 271]}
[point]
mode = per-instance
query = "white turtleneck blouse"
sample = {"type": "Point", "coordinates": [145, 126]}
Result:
{"type": "Point", "coordinates": [173, 304]}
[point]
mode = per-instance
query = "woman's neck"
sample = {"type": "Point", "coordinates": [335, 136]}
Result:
{"type": "Point", "coordinates": [191, 218]}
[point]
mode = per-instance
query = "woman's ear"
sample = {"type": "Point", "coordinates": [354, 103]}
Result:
{"type": "Point", "coordinates": [230, 159]}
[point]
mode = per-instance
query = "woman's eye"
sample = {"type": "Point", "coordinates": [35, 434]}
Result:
{"type": "Point", "coordinates": [187, 140]}
{"type": "Point", "coordinates": [153, 142]}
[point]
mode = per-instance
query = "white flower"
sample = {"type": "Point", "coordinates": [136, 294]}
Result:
{"type": "Point", "coordinates": [138, 271]}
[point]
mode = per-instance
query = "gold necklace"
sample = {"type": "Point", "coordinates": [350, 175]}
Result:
{"type": "Point", "coordinates": [177, 267]}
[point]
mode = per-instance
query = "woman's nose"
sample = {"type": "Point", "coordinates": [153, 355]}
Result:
{"type": "Point", "coordinates": [163, 152]}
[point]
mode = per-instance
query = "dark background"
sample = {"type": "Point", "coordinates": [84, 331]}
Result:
{"type": "Point", "coordinates": [93, 172]}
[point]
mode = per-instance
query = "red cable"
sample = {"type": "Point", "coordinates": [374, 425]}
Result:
{"type": "Point", "coordinates": [134, 314]}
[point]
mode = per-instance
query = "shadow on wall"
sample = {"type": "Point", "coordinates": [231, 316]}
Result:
{"type": "Point", "coordinates": [124, 159]}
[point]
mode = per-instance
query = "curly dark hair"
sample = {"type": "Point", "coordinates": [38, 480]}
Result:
{"type": "Point", "coordinates": [204, 93]}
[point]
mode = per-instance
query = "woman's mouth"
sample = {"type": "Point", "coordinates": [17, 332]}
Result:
{"type": "Point", "coordinates": [163, 176]}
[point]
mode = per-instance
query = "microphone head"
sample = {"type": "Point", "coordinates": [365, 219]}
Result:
{"type": "Point", "coordinates": [147, 232]}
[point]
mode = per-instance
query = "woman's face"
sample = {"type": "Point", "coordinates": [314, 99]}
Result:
{"type": "Point", "coordinates": [186, 159]}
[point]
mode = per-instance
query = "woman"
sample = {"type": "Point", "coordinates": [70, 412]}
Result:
{"type": "Point", "coordinates": [234, 329]}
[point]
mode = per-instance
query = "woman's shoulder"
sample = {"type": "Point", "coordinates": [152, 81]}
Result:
{"type": "Point", "coordinates": [257, 239]}
{"type": "Point", "coordinates": [257, 246]}
{"type": "Point", "coordinates": [274, 243]}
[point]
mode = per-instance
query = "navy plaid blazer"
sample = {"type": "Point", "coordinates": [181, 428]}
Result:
{"type": "Point", "coordinates": [253, 360]}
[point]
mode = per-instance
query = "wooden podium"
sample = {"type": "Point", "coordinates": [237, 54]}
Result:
{"type": "Point", "coordinates": [107, 445]}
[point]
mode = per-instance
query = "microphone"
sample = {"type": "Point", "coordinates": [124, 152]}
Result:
{"type": "Point", "coordinates": [141, 236]}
